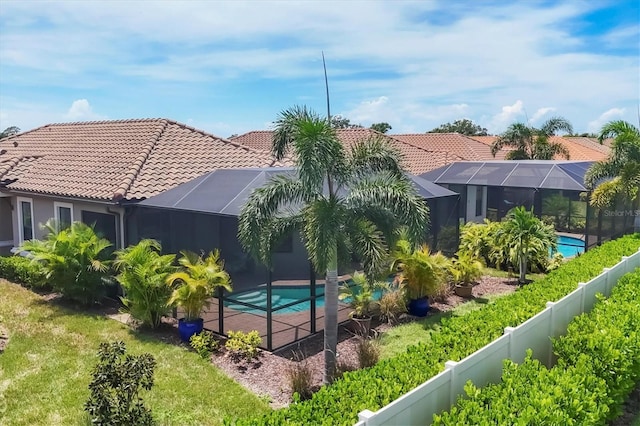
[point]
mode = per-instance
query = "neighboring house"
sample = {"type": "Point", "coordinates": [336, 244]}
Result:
{"type": "Point", "coordinates": [418, 158]}
{"type": "Point", "coordinates": [579, 147]}
{"type": "Point", "coordinates": [456, 145]}
{"type": "Point", "coordinates": [90, 171]}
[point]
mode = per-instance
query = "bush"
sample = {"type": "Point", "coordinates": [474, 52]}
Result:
{"type": "Point", "coordinates": [300, 377]}
{"type": "Point", "coordinates": [75, 260]}
{"type": "Point", "coordinates": [391, 305]}
{"type": "Point", "coordinates": [204, 343]}
{"type": "Point", "coordinates": [368, 352]}
{"type": "Point", "coordinates": [21, 270]}
{"type": "Point", "coordinates": [143, 272]}
{"type": "Point", "coordinates": [598, 367]}
{"type": "Point", "coordinates": [115, 387]}
{"type": "Point", "coordinates": [243, 345]}
{"type": "Point", "coordinates": [458, 337]}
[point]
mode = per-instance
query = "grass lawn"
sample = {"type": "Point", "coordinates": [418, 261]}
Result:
{"type": "Point", "coordinates": [46, 369]}
{"type": "Point", "coordinates": [399, 338]}
{"type": "Point", "coordinates": [493, 272]}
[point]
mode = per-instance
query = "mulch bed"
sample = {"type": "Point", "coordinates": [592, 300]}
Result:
{"type": "Point", "coordinates": [267, 376]}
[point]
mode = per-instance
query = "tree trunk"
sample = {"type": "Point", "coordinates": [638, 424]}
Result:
{"type": "Point", "coordinates": [523, 269]}
{"type": "Point", "coordinates": [331, 317]}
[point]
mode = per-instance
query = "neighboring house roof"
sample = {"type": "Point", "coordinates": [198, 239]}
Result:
{"type": "Point", "coordinates": [461, 146]}
{"type": "Point", "coordinates": [580, 148]}
{"type": "Point", "coordinates": [116, 160]}
{"type": "Point", "coordinates": [417, 158]}
{"type": "Point", "coordinates": [226, 191]}
{"type": "Point", "coordinates": [537, 174]}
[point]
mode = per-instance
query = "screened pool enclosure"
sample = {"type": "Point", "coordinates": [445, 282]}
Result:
{"type": "Point", "coordinates": [554, 189]}
{"type": "Point", "coordinates": [286, 302]}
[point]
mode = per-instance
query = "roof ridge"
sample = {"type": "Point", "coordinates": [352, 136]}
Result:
{"type": "Point", "coordinates": [133, 171]}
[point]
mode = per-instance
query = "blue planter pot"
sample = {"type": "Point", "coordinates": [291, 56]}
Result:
{"type": "Point", "coordinates": [419, 307]}
{"type": "Point", "coordinates": [186, 329]}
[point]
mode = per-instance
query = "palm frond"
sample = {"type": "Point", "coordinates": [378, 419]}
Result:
{"type": "Point", "coordinates": [322, 229]}
{"type": "Point", "coordinates": [375, 154]}
{"type": "Point", "coordinates": [553, 125]}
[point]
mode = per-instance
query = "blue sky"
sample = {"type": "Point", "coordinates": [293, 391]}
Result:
{"type": "Point", "coordinates": [230, 66]}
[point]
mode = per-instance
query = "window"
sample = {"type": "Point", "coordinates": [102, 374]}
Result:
{"type": "Point", "coordinates": [103, 224]}
{"type": "Point", "coordinates": [25, 219]}
{"type": "Point", "coordinates": [479, 196]}
{"type": "Point", "coordinates": [63, 214]}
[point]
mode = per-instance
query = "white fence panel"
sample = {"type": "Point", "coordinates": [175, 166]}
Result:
{"type": "Point", "coordinates": [485, 365]}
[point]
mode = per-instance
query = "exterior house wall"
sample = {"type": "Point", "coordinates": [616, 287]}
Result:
{"type": "Point", "coordinates": [44, 209]}
{"type": "Point", "coordinates": [6, 225]}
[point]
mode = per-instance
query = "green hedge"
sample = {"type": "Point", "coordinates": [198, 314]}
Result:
{"type": "Point", "coordinates": [459, 337]}
{"type": "Point", "coordinates": [21, 270]}
{"type": "Point", "coordinates": [598, 366]}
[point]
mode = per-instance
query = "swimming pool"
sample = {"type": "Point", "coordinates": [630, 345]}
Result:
{"type": "Point", "coordinates": [280, 296]}
{"type": "Point", "coordinates": [570, 246]}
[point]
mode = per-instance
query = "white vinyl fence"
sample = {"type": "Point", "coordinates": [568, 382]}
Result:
{"type": "Point", "coordinates": [485, 365]}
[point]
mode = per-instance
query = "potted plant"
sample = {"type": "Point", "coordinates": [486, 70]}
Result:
{"type": "Point", "coordinates": [465, 270]}
{"type": "Point", "coordinates": [360, 295]}
{"type": "Point", "coordinates": [199, 279]}
{"type": "Point", "coordinates": [421, 273]}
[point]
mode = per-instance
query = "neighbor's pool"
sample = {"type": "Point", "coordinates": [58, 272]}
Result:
{"type": "Point", "coordinates": [570, 246]}
{"type": "Point", "coordinates": [281, 295]}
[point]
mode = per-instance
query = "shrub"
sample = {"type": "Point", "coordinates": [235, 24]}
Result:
{"type": "Point", "coordinates": [142, 274]}
{"type": "Point", "coordinates": [458, 337]}
{"type": "Point", "coordinates": [391, 305]}
{"type": "Point", "coordinates": [368, 352]}
{"type": "Point", "coordinates": [244, 345]}
{"type": "Point", "coordinates": [74, 260]}
{"type": "Point", "coordinates": [204, 343]}
{"type": "Point", "coordinates": [21, 270]}
{"type": "Point", "coordinates": [115, 387]}
{"type": "Point", "coordinates": [466, 270]}
{"type": "Point", "coordinates": [300, 376]}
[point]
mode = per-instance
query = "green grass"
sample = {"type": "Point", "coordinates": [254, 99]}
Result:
{"type": "Point", "coordinates": [493, 272]}
{"type": "Point", "coordinates": [399, 338]}
{"type": "Point", "coordinates": [46, 369]}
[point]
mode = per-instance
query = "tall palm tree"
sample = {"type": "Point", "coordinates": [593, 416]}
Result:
{"type": "Point", "coordinates": [526, 237]}
{"type": "Point", "coordinates": [530, 143]}
{"type": "Point", "coordinates": [342, 203]}
{"type": "Point", "coordinates": [619, 174]}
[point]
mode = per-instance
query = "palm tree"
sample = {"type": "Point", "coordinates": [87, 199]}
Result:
{"type": "Point", "coordinates": [619, 174]}
{"type": "Point", "coordinates": [142, 275]}
{"type": "Point", "coordinates": [341, 203]}
{"type": "Point", "coordinates": [526, 237]}
{"type": "Point", "coordinates": [74, 259]}
{"type": "Point", "coordinates": [530, 143]}
{"type": "Point", "coordinates": [199, 279]}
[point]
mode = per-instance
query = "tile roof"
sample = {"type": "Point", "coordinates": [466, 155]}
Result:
{"type": "Point", "coordinates": [114, 160]}
{"type": "Point", "coordinates": [580, 148]}
{"type": "Point", "coordinates": [417, 159]}
{"type": "Point", "coordinates": [461, 146]}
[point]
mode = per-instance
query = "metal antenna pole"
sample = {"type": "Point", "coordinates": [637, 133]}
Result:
{"type": "Point", "coordinates": [326, 85]}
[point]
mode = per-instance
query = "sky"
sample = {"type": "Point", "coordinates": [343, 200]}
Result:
{"type": "Point", "coordinates": [229, 67]}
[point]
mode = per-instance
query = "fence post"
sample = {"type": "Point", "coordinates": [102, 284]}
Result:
{"type": "Point", "coordinates": [607, 280]}
{"type": "Point", "coordinates": [626, 264]}
{"type": "Point", "coordinates": [364, 416]}
{"type": "Point", "coordinates": [451, 367]}
{"type": "Point", "coordinates": [509, 331]}
{"type": "Point", "coordinates": [581, 287]}
{"type": "Point", "coordinates": [552, 328]}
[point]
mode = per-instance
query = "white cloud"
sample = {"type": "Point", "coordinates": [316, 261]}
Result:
{"type": "Point", "coordinates": [80, 110]}
{"type": "Point", "coordinates": [506, 116]}
{"type": "Point", "coordinates": [541, 112]}
{"type": "Point", "coordinates": [611, 114]}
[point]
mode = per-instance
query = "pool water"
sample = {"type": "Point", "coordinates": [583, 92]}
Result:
{"type": "Point", "coordinates": [280, 296]}
{"type": "Point", "coordinates": [570, 246]}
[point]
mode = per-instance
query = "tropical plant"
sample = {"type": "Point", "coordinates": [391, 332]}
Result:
{"type": "Point", "coordinates": [142, 274]}
{"type": "Point", "coordinates": [342, 204]}
{"type": "Point", "coordinates": [115, 388]}
{"type": "Point", "coordinates": [74, 259]}
{"type": "Point", "coordinates": [383, 127]}
{"type": "Point", "coordinates": [391, 305]}
{"type": "Point", "coordinates": [360, 294]}
{"type": "Point", "coordinates": [243, 345]}
{"type": "Point", "coordinates": [368, 351]}
{"type": "Point", "coordinates": [561, 208]}
{"type": "Point", "coordinates": [466, 270]}
{"type": "Point", "coordinates": [526, 237]}
{"type": "Point", "coordinates": [204, 343]}
{"type": "Point", "coordinates": [300, 375]}
{"type": "Point", "coordinates": [420, 272]}
{"type": "Point", "coordinates": [199, 278]}
{"type": "Point", "coordinates": [530, 143]}
{"type": "Point", "coordinates": [619, 174]}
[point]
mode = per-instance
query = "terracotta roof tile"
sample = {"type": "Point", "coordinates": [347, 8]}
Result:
{"type": "Point", "coordinates": [456, 144]}
{"type": "Point", "coordinates": [580, 148]}
{"type": "Point", "coordinates": [417, 159]}
{"type": "Point", "coordinates": [112, 160]}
